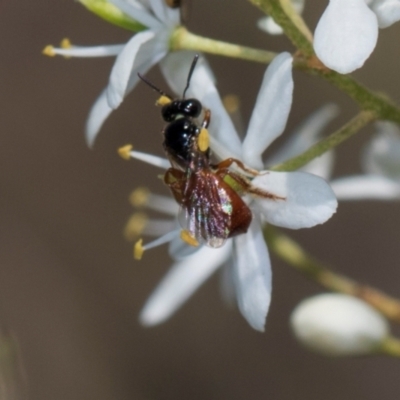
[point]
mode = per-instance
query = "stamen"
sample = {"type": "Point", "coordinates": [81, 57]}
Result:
{"type": "Point", "coordinates": [135, 226]}
{"type": "Point", "coordinates": [138, 250]}
{"type": "Point", "coordinates": [125, 151]}
{"type": "Point", "coordinates": [163, 100]}
{"type": "Point", "coordinates": [231, 103]}
{"type": "Point", "coordinates": [151, 159]}
{"type": "Point", "coordinates": [164, 204]}
{"type": "Point", "coordinates": [203, 140]}
{"type": "Point", "coordinates": [49, 51]}
{"type": "Point", "coordinates": [188, 238]}
{"type": "Point", "coordinates": [65, 43]}
{"type": "Point", "coordinates": [139, 197]}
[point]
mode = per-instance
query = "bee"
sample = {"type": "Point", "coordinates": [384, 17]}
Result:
{"type": "Point", "coordinates": [209, 194]}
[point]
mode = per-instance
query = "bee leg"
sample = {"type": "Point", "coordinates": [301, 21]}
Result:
{"type": "Point", "coordinates": [263, 193]}
{"type": "Point", "coordinates": [229, 161]}
{"type": "Point", "coordinates": [241, 183]}
{"type": "Point", "coordinates": [207, 118]}
{"type": "Point", "coordinates": [174, 179]}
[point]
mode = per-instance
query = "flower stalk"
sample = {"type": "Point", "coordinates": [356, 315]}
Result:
{"type": "Point", "coordinates": [292, 24]}
{"type": "Point", "coordinates": [324, 145]}
{"type": "Point", "coordinates": [182, 39]}
{"type": "Point", "coordinates": [291, 252]}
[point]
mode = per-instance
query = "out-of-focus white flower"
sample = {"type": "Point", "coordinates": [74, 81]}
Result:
{"type": "Point", "coordinates": [381, 165]}
{"type": "Point", "coordinates": [305, 136]}
{"type": "Point", "coordinates": [308, 199]}
{"type": "Point", "coordinates": [145, 49]}
{"type": "Point", "coordinates": [268, 24]}
{"type": "Point", "coordinates": [380, 159]}
{"type": "Point", "coordinates": [347, 32]}
{"type": "Point", "coordinates": [338, 325]}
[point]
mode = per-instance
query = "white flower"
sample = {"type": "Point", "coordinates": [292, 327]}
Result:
{"type": "Point", "coordinates": [308, 199]}
{"type": "Point", "coordinates": [347, 32]}
{"type": "Point", "coordinates": [338, 325]}
{"type": "Point", "coordinates": [381, 165]}
{"type": "Point", "coordinates": [139, 54]}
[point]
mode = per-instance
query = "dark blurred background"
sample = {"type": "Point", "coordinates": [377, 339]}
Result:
{"type": "Point", "coordinates": [70, 292]}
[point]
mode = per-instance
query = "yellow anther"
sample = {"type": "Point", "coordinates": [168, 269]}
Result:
{"type": "Point", "coordinates": [138, 250]}
{"type": "Point", "coordinates": [139, 197]}
{"type": "Point", "coordinates": [231, 103]}
{"type": "Point", "coordinates": [135, 226]}
{"type": "Point", "coordinates": [188, 238]}
{"type": "Point", "coordinates": [49, 51]}
{"type": "Point", "coordinates": [203, 140]}
{"type": "Point", "coordinates": [163, 100]}
{"type": "Point", "coordinates": [125, 151]}
{"type": "Point", "coordinates": [65, 43]}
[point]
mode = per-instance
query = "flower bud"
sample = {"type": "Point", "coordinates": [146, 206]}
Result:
{"type": "Point", "coordinates": [338, 325]}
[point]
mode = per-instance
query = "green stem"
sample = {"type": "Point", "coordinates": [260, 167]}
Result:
{"type": "Point", "coordinates": [182, 39]}
{"type": "Point", "coordinates": [366, 99]}
{"type": "Point", "coordinates": [296, 257]}
{"type": "Point", "coordinates": [291, 23]}
{"type": "Point", "coordinates": [344, 133]}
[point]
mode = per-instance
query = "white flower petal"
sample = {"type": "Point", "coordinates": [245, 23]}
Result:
{"type": "Point", "coordinates": [271, 111]}
{"type": "Point", "coordinates": [138, 13]}
{"type": "Point", "coordinates": [252, 276]}
{"type": "Point", "coordinates": [220, 150]}
{"type": "Point", "coordinates": [346, 35]}
{"type": "Point", "coordinates": [306, 136]}
{"type": "Point", "coordinates": [97, 115]}
{"type": "Point", "coordinates": [167, 15]}
{"type": "Point", "coordinates": [267, 24]}
{"type": "Point", "coordinates": [181, 282]}
{"type": "Point", "coordinates": [366, 187]}
{"type": "Point", "coordinates": [338, 325]}
{"type": "Point", "coordinates": [132, 59]}
{"type": "Point", "coordinates": [387, 12]}
{"type": "Point", "coordinates": [175, 68]}
{"type": "Point", "coordinates": [101, 109]}
{"type": "Point", "coordinates": [308, 199]}
{"type": "Point", "coordinates": [382, 154]}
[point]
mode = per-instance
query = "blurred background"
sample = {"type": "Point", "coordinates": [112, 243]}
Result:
{"type": "Point", "coordinates": [70, 292]}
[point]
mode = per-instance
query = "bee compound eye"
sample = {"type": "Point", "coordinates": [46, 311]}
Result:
{"type": "Point", "coordinates": [170, 111]}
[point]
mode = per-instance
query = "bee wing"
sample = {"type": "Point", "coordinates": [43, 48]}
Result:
{"type": "Point", "coordinates": [207, 206]}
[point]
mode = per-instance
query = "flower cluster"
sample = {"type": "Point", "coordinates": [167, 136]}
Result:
{"type": "Point", "coordinates": [345, 36]}
{"type": "Point", "coordinates": [308, 199]}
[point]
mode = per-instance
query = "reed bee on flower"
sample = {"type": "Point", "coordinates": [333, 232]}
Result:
{"type": "Point", "coordinates": [209, 194]}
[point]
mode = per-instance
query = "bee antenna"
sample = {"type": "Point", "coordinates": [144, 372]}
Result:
{"type": "Point", "coordinates": [154, 87]}
{"type": "Point", "coordinates": [194, 62]}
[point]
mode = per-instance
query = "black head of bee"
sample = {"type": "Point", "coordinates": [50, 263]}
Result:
{"type": "Point", "coordinates": [182, 130]}
{"type": "Point", "coordinates": [190, 108]}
